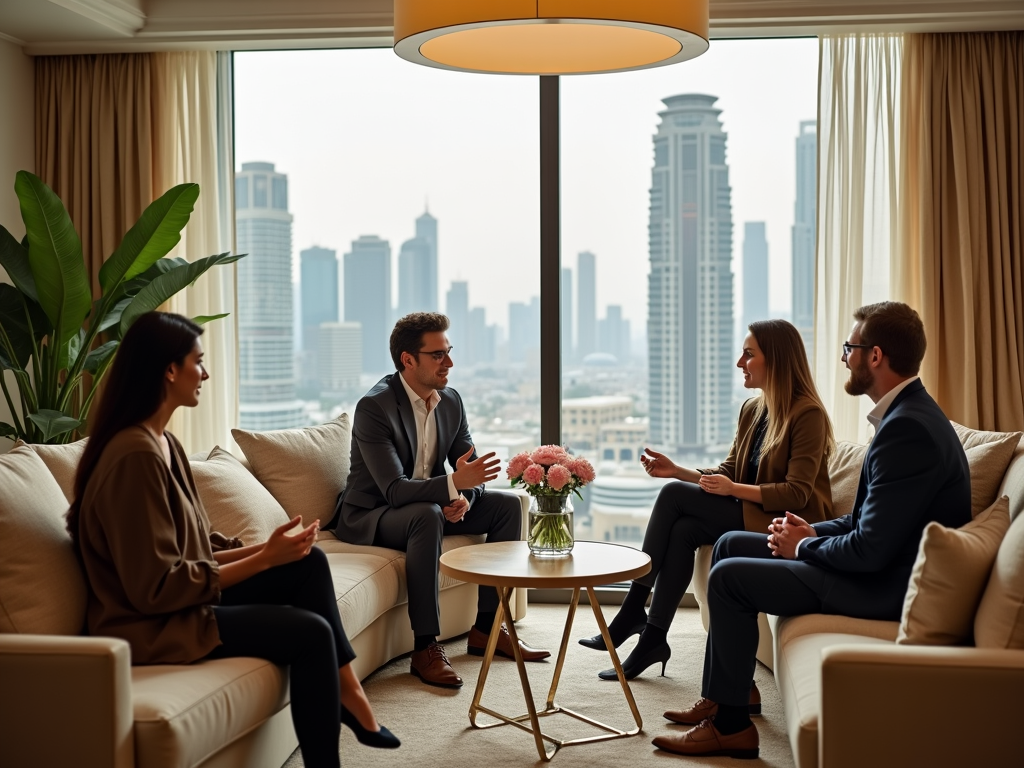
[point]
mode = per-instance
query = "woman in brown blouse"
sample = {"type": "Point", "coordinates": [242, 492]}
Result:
{"type": "Point", "coordinates": [175, 590]}
{"type": "Point", "coordinates": [778, 462]}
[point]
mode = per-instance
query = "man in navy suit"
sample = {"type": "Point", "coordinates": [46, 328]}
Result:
{"type": "Point", "coordinates": [399, 495]}
{"type": "Point", "coordinates": [914, 472]}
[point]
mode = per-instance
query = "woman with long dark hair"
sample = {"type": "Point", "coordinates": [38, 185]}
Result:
{"type": "Point", "coordinates": [778, 462]}
{"type": "Point", "coordinates": [178, 592]}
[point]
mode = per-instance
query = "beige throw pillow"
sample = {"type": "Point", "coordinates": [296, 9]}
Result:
{"type": "Point", "coordinates": [999, 622]}
{"type": "Point", "coordinates": [62, 461]}
{"type": "Point", "coordinates": [988, 456]}
{"type": "Point", "coordinates": [844, 475]}
{"type": "Point", "coordinates": [42, 588]}
{"type": "Point", "coordinates": [235, 502]}
{"type": "Point", "coordinates": [305, 469]}
{"type": "Point", "coordinates": [949, 577]}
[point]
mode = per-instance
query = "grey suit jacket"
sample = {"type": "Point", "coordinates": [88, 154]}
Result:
{"type": "Point", "coordinates": [383, 457]}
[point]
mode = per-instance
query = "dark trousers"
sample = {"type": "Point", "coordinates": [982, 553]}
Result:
{"type": "Point", "coordinates": [289, 615]}
{"type": "Point", "coordinates": [684, 518]}
{"type": "Point", "coordinates": [417, 530]}
{"type": "Point", "coordinates": [746, 579]}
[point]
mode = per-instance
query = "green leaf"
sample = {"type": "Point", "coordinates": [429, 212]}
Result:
{"type": "Point", "coordinates": [98, 356]}
{"type": "Point", "coordinates": [204, 319]}
{"type": "Point", "coordinates": [168, 284]}
{"type": "Point", "coordinates": [14, 324]}
{"type": "Point", "coordinates": [55, 256]}
{"type": "Point", "coordinates": [53, 423]}
{"type": "Point", "coordinates": [6, 430]}
{"type": "Point", "coordinates": [152, 237]}
{"type": "Point", "coordinates": [14, 259]}
{"type": "Point", "coordinates": [75, 345]}
{"type": "Point", "coordinates": [113, 317]}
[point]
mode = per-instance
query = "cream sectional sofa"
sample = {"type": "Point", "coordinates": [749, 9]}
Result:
{"type": "Point", "coordinates": [76, 701]}
{"type": "Point", "coordinates": [853, 697]}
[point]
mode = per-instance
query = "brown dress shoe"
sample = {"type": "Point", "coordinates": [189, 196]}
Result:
{"type": "Point", "coordinates": [705, 708]}
{"type": "Point", "coordinates": [477, 645]}
{"type": "Point", "coordinates": [705, 740]}
{"type": "Point", "coordinates": [432, 667]}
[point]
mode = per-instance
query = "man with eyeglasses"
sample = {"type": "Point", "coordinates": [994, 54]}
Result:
{"type": "Point", "coordinates": [400, 496]}
{"type": "Point", "coordinates": [914, 472]}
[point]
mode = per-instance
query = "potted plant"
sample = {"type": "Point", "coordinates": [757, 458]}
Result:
{"type": "Point", "coordinates": [56, 339]}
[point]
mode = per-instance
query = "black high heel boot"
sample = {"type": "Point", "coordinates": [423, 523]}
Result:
{"type": "Point", "coordinates": [618, 637]}
{"type": "Point", "coordinates": [382, 739]}
{"type": "Point", "coordinates": [640, 659]}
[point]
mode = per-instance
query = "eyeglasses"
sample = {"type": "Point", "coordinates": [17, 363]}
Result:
{"type": "Point", "coordinates": [848, 347]}
{"type": "Point", "coordinates": [438, 355]}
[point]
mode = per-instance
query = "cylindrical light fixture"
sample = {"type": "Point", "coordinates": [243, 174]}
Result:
{"type": "Point", "coordinates": [550, 37]}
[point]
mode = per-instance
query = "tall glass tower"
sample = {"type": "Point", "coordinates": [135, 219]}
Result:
{"type": "Point", "coordinates": [368, 299]}
{"type": "Point", "coordinates": [265, 320]}
{"type": "Point", "coordinates": [755, 275]}
{"type": "Point", "coordinates": [804, 213]}
{"type": "Point", "coordinates": [690, 286]}
{"type": "Point", "coordinates": [586, 304]}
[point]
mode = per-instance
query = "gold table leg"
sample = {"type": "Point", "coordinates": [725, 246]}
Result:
{"type": "Point", "coordinates": [550, 707]}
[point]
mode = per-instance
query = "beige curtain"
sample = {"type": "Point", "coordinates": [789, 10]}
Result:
{"type": "Point", "coordinates": [962, 242]}
{"type": "Point", "coordinates": [192, 111]}
{"type": "Point", "coordinates": [94, 144]}
{"type": "Point", "coordinates": [858, 159]}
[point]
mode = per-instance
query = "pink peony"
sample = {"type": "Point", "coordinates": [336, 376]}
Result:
{"type": "Point", "coordinates": [549, 454]}
{"type": "Point", "coordinates": [517, 464]}
{"type": "Point", "coordinates": [582, 469]}
{"type": "Point", "coordinates": [559, 477]}
{"type": "Point", "coordinates": [533, 474]}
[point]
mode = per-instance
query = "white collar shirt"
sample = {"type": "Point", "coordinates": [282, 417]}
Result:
{"type": "Point", "coordinates": [876, 413]}
{"type": "Point", "coordinates": [426, 434]}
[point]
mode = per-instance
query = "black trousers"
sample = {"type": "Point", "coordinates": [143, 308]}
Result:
{"type": "Point", "coordinates": [289, 615]}
{"type": "Point", "coordinates": [746, 579]}
{"type": "Point", "coordinates": [684, 518]}
{"type": "Point", "coordinates": [417, 530]}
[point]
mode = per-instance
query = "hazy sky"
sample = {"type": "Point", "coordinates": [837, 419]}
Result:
{"type": "Point", "coordinates": [367, 139]}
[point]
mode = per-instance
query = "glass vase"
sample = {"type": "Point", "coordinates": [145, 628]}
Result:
{"type": "Point", "coordinates": [551, 531]}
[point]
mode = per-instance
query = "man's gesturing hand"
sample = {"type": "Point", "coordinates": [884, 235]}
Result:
{"type": "Point", "coordinates": [469, 474]}
{"type": "Point", "coordinates": [786, 533]}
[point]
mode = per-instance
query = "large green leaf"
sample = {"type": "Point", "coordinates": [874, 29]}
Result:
{"type": "Point", "coordinates": [152, 237]}
{"type": "Point", "coordinates": [55, 256]}
{"type": "Point", "coordinates": [15, 325]}
{"type": "Point", "coordinates": [6, 430]}
{"type": "Point", "coordinates": [14, 259]}
{"type": "Point", "coordinates": [113, 317]}
{"type": "Point", "coordinates": [53, 423]}
{"type": "Point", "coordinates": [168, 284]}
{"type": "Point", "coordinates": [204, 319]}
{"type": "Point", "coordinates": [99, 356]}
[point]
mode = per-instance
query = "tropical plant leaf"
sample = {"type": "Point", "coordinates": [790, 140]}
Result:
{"type": "Point", "coordinates": [113, 317]}
{"type": "Point", "coordinates": [168, 284]}
{"type": "Point", "coordinates": [98, 356]}
{"type": "Point", "coordinates": [55, 257]}
{"type": "Point", "coordinates": [204, 319]}
{"type": "Point", "coordinates": [14, 259]}
{"type": "Point", "coordinates": [25, 387]}
{"type": "Point", "coordinates": [6, 430]}
{"type": "Point", "coordinates": [152, 237]}
{"type": "Point", "coordinates": [75, 344]}
{"type": "Point", "coordinates": [53, 423]}
{"type": "Point", "coordinates": [15, 326]}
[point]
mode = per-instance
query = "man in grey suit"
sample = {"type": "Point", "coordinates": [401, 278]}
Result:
{"type": "Point", "coordinates": [400, 496]}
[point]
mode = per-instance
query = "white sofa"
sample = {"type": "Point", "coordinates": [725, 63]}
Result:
{"type": "Point", "coordinates": [853, 697]}
{"type": "Point", "coordinates": [76, 701]}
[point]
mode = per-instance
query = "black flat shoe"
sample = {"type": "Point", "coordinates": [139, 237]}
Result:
{"type": "Point", "coordinates": [632, 667]}
{"type": "Point", "coordinates": [597, 642]}
{"type": "Point", "coordinates": [382, 739]}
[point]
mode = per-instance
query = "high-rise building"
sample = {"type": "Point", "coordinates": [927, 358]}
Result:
{"type": "Point", "coordinates": [265, 309]}
{"type": "Point", "coordinates": [318, 269]}
{"type": "Point", "coordinates": [340, 356]}
{"type": "Point", "coordinates": [690, 293]}
{"type": "Point", "coordinates": [565, 315]}
{"type": "Point", "coordinates": [804, 231]}
{"type": "Point", "coordinates": [368, 299]}
{"type": "Point", "coordinates": [523, 330]}
{"type": "Point", "coordinates": [426, 230]}
{"type": "Point", "coordinates": [481, 338]}
{"type": "Point", "coordinates": [755, 275]}
{"type": "Point", "coordinates": [613, 334]}
{"type": "Point", "coordinates": [586, 302]}
{"type": "Point", "coordinates": [457, 309]}
{"type": "Point", "coordinates": [416, 278]}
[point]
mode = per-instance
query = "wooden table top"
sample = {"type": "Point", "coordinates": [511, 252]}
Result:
{"type": "Point", "coordinates": [509, 564]}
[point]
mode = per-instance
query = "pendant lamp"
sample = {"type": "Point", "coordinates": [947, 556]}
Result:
{"type": "Point", "coordinates": [550, 37]}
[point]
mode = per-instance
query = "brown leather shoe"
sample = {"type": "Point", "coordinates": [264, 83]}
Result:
{"type": "Point", "coordinates": [704, 740]}
{"type": "Point", "coordinates": [477, 645]}
{"type": "Point", "coordinates": [431, 665]}
{"type": "Point", "coordinates": [705, 708]}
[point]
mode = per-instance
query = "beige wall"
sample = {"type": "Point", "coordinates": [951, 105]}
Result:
{"type": "Point", "coordinates": [17, 152]}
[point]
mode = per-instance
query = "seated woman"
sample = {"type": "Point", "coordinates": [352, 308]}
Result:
{"type": "Point", "coordinates": [778, 462]}
{"type": "Point", "coordinates": [178, 592]}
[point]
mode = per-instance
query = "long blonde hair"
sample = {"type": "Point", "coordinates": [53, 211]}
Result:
{"type": "Point", "coordinates": [787, 379]}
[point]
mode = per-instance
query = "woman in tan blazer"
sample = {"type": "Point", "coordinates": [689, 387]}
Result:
{"type": "Point", "coordinates": [778, 462]}
{"type": "Point", "coordinates": [178, 592]}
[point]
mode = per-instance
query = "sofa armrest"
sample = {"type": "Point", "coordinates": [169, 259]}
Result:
{"type": "Point", "coordinates": [895, 705]}
{"type": "Point", "coordinates": [66, 701]}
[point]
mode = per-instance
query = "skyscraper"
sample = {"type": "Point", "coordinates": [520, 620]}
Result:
{"type": "Point", "coordinates": [586, 300]}
{"type": "Point", "coordinates": [340, 356]}
{"type": "Point", "coordinates": [265, 321]}
{"type": "Point", "coordinates": [523, 330]}
{"type": "Point", "coordinates": [565, 315]}
{"type": "Point", "coordinates": [613, 334]}
{"type": "Point", "coordinates": [803, 231]}
{"type": "Point", "coordinates": [481, 338]}
{"type": "Point", "coordinates": [690, 293]}
{"type": "Point", "coordinates": [415, 278]}
{"type": "Point", "coordinates": [319, 274]}
{"type": "Point", "coordinates": [426, 230]}
{"type": "Point", "coordinates": [368, 299]}
{"type": "Point", "coordinates": [457, 309]}
{"type": "Point", "coordinates": [755, 275]}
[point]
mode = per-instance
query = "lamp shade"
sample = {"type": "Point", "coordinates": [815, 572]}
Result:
{"type": "Point", "coordinates": [550, 37]}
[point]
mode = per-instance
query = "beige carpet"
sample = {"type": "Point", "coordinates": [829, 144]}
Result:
{"type": "Point", "coordinates": [433, 723]}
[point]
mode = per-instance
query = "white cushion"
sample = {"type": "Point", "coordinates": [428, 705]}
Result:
{"type": "Point", "coordinates": [62, 461]}
{"type": "Point", "coordinates": [844, 475]}
{"type": "Point", "coordinates": [988, 455]}
{"type": "Point", "coordinates": [999, 622]}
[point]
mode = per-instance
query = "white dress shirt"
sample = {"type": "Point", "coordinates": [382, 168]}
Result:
{"type": "Point", "coordinates": [426, 435]}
